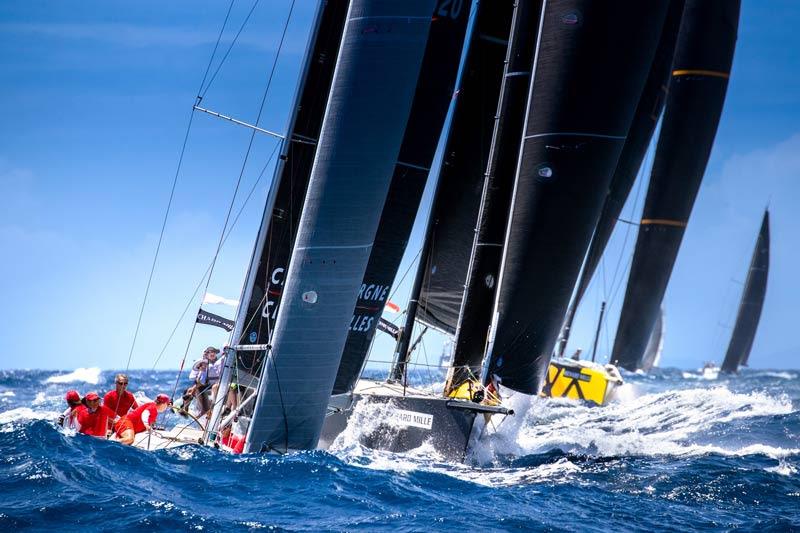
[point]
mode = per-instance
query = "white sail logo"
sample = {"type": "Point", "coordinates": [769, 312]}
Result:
{"type": "Point", "coordinates": [270, 310]}
{"type": "Point", "coordinates": [412, 419]}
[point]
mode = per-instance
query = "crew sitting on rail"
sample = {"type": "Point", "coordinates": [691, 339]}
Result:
{"type": "Point", "coordinates": [232, 441]}
{"type": "Point", "coordinates": [93, 417]}
{"type": "Point", "coordinates": [68, 419]}
{"type": "Point", "coordinates": [120, 400]}
{"type": "Point", "coordinates": [492, 391]}
{"type": "Point", "coordinates": [140, 419]}
{"type": "Point", "coordinates": [204, 376]}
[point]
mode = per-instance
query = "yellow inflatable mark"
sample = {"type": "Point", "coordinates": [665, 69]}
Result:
{"type": "Point", "coordinates": [576, 383]}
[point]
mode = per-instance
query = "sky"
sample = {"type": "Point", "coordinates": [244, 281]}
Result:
{"type": "Point", "coordinates": [95, 97]}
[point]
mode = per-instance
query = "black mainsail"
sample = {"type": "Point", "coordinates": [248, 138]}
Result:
{"type": "Point", "coordinates": [370, 101]}
{"type": "Point", "coordinates": [701, 68]}
{"type": "Point", "coordinates": [575, 129]}
{"type": "Point", "coordinates": [445, 258]}
{"type": "Point", "coordinates": [498, 182]}
{"type": "Point", "coordinates": [755, 288]}
{"type": "Point", "coordinates": [432, 99]}
{"type": "Point", "coordinates": [644, 123]}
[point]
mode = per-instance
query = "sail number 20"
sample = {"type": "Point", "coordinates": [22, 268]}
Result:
{"type": "Point", "coordinates": [450, 8]}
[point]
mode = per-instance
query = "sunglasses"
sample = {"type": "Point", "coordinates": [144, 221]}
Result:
{"type": "Point", "coordinates": [92, 401]}
{"type": "Point", "coordinates": [122, 382]}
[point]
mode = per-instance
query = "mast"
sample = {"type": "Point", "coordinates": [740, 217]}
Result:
{"type": "Point", "coordinates": [444, 259]}
{"type": "Point", "coordinates": [498, 182]}
{"type": "Point", "coordinates": [644, 123]}
{"type": "Point", "coordinates": [701, 68]}
{"type": "Point", "coordinates": [575, 129]}
{"type": "Point", "coordinates": [432, 99]}
{"type": "Point", "coordinates": [751, 304]}
{"type": "Point", "coordinates": [261, 292]}
{"type": "Point", "coordinates": [370, 101]}
{"type": "Point", "coordinates": [597, 333]}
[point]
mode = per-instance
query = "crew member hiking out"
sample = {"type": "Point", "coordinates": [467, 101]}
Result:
{"type": "Point", "coordinates": [68, 419]}
{"type": "Point", "coordinates": [140, 419]}
{"type": "Point", "coordinates": [93, 417]}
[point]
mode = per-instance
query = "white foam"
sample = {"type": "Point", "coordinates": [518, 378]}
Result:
{"type": "Point", "coordinates": [25, 413]}
{"type": "Point", "coordinates": [40, 398]}
{"type": "Point", "coordinates": [7, 394]}
{"type": "Point", "coordinates": [780, 375]}
{"type": "Point", "coordinates": [84, 375]}
{"type": "Point", "coordinates": [783, 468]}
{"type": "Point", "coordinates": [653, 424]}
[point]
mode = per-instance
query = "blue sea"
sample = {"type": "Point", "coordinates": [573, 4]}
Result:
{"type": "Point", "coordinates": [675, 452]}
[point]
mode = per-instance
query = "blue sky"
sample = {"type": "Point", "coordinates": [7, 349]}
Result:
{"type": "Point", "coordinates": [94, 100]}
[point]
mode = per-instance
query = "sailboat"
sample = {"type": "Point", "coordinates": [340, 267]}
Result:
{"type": "Point", "coordinates": [749, 314]}
{"type": "Point", "coordinates": [309, 309]}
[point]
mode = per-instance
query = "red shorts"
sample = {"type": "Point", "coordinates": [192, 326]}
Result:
{"type": "Point", "coordinates": [122, 425]}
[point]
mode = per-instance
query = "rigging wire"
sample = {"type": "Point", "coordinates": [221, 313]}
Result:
{"type": "Point", "coordinates": [202, 92]}
{"type": "Point", "coordinates": [208, 269]}
{"type": "Point", "coordinates": [171, 197]}
{"type": "Point", "coordinates": [244, 163]}
{"type": "Point", "coordinates": [214, 52]}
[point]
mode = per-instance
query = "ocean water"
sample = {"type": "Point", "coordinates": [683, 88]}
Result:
{"type": "Point", "coordinates": [675, 452]}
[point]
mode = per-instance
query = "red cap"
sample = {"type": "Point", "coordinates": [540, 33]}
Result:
{"type": "Point", "coordinates": [162, 398]}
{"type": "Point", "coordinates": [92, 396]}
{"type": "Point", "coordinates": [72, 396]}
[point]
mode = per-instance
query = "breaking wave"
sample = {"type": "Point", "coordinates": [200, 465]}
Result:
{"type": "Point", "coordinates": [670, 453]}
{"type": "Point", "coordinates": [79, 375]}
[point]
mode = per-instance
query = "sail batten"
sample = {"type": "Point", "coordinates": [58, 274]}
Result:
{"type": "Point", "coordinates": [370, 100]}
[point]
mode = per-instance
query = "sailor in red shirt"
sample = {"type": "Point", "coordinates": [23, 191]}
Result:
{"type": "Point", "coordinates": [120, 400]}
{"type": "Point", "coordinates": [68, 419]}
{"type": "Point", "coordinates": [93, 418]}
{"type": "Point", "coordinates": [140, 419]}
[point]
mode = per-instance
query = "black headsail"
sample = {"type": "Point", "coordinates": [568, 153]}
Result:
{"type": "Point", "coordinates": [755, 288]}
{"type": "Point", "coordinates": [498, 182]}
{"type": "Point", "coordinates": [644, 123]}
{"type": "Point", "coordinates": [282, 216]}
{"type": "Point", "coordinates": [432, 99]}
{"type": "Point", "coordinates": [576, 125]}
{"type": "Point", "coordinates": [273, 247]}
{"type": "Point", "coordinates": [455, 208]}
{"type": "Point", "coordinates": [702, 64]}
{"type": "Point", "coordinates": [373, 87]}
